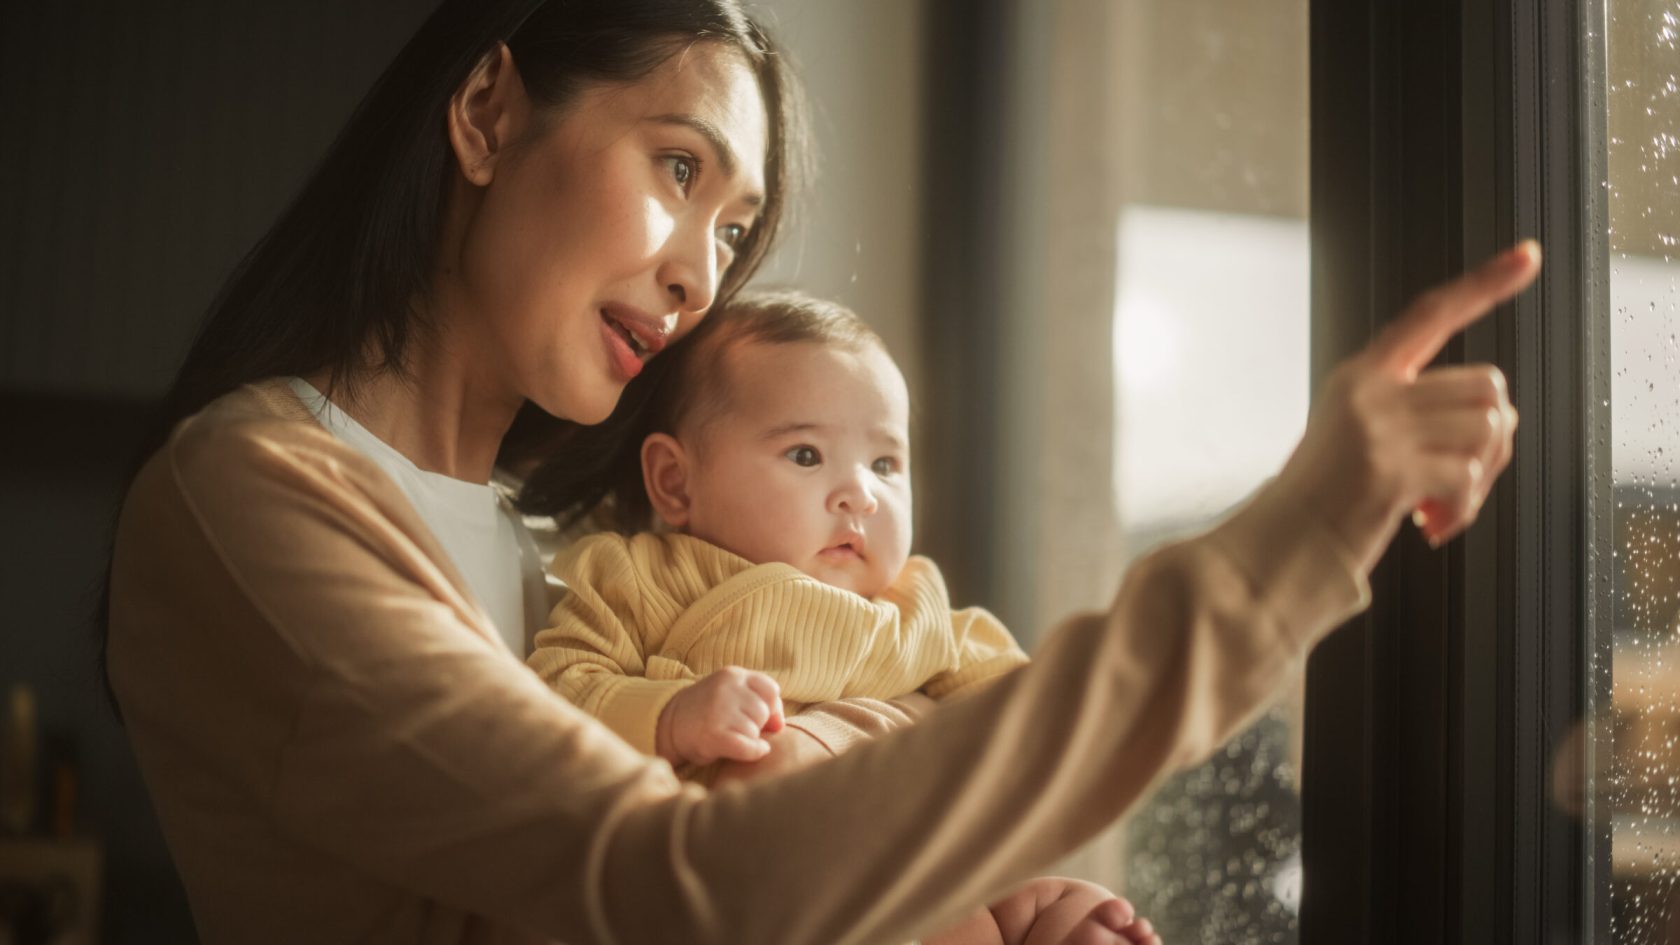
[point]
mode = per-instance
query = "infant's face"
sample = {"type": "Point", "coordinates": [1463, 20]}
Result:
{"type": "Point", "coordinates": [808, 464]}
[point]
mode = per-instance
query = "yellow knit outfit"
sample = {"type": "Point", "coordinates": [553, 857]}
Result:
{"type": "Point", "coordinates": [647, 615]}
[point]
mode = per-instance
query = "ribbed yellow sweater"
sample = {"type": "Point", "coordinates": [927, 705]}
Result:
{"type": "Point", "coordinates": [647, 615]}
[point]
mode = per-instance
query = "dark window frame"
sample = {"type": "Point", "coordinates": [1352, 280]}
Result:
{"type": "Point", "coordinates": [1443, 130]}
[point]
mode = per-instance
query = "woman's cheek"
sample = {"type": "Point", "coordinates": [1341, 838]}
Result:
{"type": "Point", "coordinates": [657, 224]}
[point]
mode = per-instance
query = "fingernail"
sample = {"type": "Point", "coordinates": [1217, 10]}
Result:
{"type": "Point", "coordinates": [1523, 254]}
{"type": "Point", "coordinates": [1419, 519]}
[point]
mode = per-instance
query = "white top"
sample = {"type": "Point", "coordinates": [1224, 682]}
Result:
{"type": "Point", "coordinates": [480, 535]}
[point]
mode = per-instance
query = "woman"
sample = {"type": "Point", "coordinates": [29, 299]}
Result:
{"type": "Point", "coordinates": [311, 582]}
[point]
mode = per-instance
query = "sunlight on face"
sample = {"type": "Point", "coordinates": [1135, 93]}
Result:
{"type": "Point", "coordinates": [808, 464]}
{"type": "Point", "coordinates": [605, 236]}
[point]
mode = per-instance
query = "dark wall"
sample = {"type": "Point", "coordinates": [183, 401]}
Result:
{"type": "Point", "coordinates": [56, 507]}
{"type": "Point", "coordinates": [146, 146]}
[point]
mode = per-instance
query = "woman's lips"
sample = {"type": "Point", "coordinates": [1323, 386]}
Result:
{"type": "Point", "coordinates": [619, 351]}
{"type": "Point", "coordinates": [647, 333]}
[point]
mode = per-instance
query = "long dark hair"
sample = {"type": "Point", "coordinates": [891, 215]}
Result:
{"type": "Point", "coordinates": [346, 268]}
{"type": "Point", "coordinates": [343, 269]}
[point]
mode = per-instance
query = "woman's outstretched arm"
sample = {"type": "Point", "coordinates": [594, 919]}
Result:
{"type": "Point", "coordinates": [327, 730]}
{"type": "Point", "coordinates": [288, 653]}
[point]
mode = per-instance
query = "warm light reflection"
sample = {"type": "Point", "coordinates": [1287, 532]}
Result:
{"type": "Point", "coordinates": [1211, 335]}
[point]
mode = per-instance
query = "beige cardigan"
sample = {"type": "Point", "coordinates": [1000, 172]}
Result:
{"type": "Point", "coordinates": [647, 615]}
{"type": "Point", "coordinates": [341, 750]}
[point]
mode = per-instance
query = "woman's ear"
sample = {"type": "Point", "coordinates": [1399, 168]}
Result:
{"type": "Point", "coordinates": [486, 114]}
{"type": "Point", "coordinates": [665, 475]}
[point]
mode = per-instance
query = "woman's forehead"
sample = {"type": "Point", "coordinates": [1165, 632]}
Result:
{"type": "Point", "coordinates": [708, 87]}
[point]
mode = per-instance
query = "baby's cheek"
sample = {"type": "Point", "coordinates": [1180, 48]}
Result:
{"type": "Point", "coordinates": [757, 533]}
{"type": "Point", "coordinates": [903, 537]}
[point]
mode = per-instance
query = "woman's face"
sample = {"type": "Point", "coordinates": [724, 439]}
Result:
{"type": "Point", "coordinates": [602, 235]}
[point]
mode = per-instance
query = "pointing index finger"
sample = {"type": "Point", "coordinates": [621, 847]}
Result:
{"type": "Point", "coordinates": [1412, 340]}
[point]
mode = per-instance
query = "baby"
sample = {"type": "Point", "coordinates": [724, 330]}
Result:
{"type": "Point", "coordinates": [781, 465]}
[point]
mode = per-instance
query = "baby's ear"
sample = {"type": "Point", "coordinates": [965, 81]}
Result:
{"type": "Point", "coordinates": [665, 476]}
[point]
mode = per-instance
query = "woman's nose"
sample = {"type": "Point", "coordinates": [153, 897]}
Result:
{"type": "Point", "coordinates": [689, 271]}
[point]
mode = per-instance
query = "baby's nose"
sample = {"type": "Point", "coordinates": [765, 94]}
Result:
{"type": "Point", "coordinates": [855, 498]}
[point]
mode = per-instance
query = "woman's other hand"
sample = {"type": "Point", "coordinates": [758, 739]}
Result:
{"type": "Point", "coordinates": [724, 716]}
{"type": "Point", "coordinates": [1388, 439]}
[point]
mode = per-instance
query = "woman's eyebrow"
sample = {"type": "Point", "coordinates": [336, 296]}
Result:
{"type": "Point", "coordinates": [720, 145]}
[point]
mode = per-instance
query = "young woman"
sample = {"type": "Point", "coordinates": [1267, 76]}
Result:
{"type": "Point", "coordinates": [313, 590]}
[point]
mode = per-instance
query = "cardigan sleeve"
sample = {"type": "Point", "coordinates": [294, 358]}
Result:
{"type": "Point", "coordinates": [839, 724]}
{"type": "Point", "coordinates": [406, 744]}
{"type": "Point", "coordinates": [594, 650]}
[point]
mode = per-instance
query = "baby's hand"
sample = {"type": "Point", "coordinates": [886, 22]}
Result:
{"type": "Point", "coordinates": [1056, 911]}
{"type": "Point", "coordinates": [726, 715]}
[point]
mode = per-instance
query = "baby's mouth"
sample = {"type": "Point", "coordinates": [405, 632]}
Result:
{"type": "Point", "coordinates": [843, 550]}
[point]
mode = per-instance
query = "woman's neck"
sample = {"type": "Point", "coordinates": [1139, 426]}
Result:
{"type": "Point", "coordinates": [438, 416]}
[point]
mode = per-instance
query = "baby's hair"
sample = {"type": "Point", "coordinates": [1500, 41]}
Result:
{"type": "Point", "coordinates": [694, 390]}
{"type": "Point", "coordinates": [679, 389]}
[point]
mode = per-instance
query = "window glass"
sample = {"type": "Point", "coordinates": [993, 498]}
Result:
{"type": "Point", "coordinates": [1638, 791]}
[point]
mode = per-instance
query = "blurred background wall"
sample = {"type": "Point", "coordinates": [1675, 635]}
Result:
{"type": "Point", "coordinates": [150, 146]}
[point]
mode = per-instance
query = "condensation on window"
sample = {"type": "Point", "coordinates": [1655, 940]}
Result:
{"type": "Point", "coordinates": [1639, 784]}
{"type": "Point", "coordinates": [1217, 856]}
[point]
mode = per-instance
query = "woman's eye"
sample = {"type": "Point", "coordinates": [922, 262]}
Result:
{"type": "Point", "coordinates": [885, 466]}
{"type": "Point", "coordinates": [683, 170]}
{"type": "Point", "coordinates": [732, 235]}
{"type": "Point", "coordinates": [803, 456]}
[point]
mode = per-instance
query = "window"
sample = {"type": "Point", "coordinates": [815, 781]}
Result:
{"type": "Point", "coordinates": [1637, 786]}
{"type": "Point", "coordinates": [1458, 781]}
{"type": "Point", "coordinates": [1442, 795]}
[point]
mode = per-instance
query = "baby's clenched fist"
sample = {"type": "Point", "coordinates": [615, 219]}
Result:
{"type": "Point", "coordinates": [724, 716]}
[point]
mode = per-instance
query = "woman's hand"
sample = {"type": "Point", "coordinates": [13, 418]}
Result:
{"type": "Point", "coordinates": [1389, 439]}
{"type": "Point", "coordinates": [726, 715]}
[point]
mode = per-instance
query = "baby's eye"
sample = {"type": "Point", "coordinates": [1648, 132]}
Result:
{"type": "Point", "coordinates": [804, 456]}
{"type": "Point", "coordinates": [732, 235]}
{"type": "Point", "coordinates": [683, 169]}
{"type": "Point", "coordinates": [885, 466]}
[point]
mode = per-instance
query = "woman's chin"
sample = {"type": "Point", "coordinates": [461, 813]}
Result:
{"type": "Point", "coordinates": [586, 407]}
{"type": "Point", "coordinates": [590, 418]}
